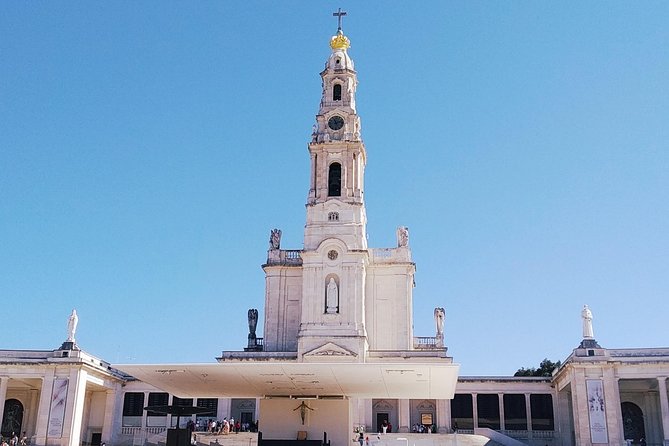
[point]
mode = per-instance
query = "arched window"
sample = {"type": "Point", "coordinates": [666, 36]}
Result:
{"type": "Point", "coordinates": [334, 180]}
{"type": "Point", "coordinates": [12, 421]}
{"type": "Point", "coordinates": [633, 424]}
{"type": "Point", "coordinates": [336, 92]}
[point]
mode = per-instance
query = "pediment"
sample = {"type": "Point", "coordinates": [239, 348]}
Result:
{"type": "Point", "coordinates": [330, 349]}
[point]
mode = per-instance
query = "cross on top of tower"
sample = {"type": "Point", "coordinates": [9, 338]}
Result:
{"type": "Point", "coordinates": [339, 14]}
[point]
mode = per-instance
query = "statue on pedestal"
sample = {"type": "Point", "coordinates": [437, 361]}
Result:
{"type": "Point", "coordinates": [402, 237]}
{"type": "Point", "coordinates": [586, 315]}
{"type": "Point", "coordinates": [253, 321]}
{"type": "Point", "coordinates": [439, 316]}
{"type": "Point", "coordinates": [275, 239]}
{"type": "Point", "coordinates": [72, 326]}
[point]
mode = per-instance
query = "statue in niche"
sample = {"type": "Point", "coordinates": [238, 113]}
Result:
{"type": "Point", "coordinates": [402, 237]}
{"type": "Point", "coordinates": [253, 321]}
{"type": "Point", "coordinates": [439, 316]}
{"type": "Point", "coordinates": [586, 315]}
{"type": "Point", "coordinates": [72, 326]}
{"type": "Point", "coordinates": [332, 297]}
{"type": "Point", "coordinates": [275, 239]}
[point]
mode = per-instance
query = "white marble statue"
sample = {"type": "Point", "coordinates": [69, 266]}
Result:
{"type": "Point", "coordinates": [332, 297]}
{"type": "Point", "coordinates": [439, 316]}
{"type": "Point", "coordinates": [586, 314]}
{"type": "Point", "coordinates": [402, 237]}
{"type": "Point", "coordinates": [72, 326]}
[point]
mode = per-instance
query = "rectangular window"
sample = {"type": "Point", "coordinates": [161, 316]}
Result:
{"type": "Point", "coordinates": [133, 404]}
{"type": "Point", "coordinates": [515, 413]}
{"type": "Point", "coordinates": [184, 402]}
{"type": "Point", "coordinates": [157, 399]}
{"type": "Point", "coordinates": [488, 410]}
{"type": "Point", "coordinates": [133, 409]}
{"type": "Point", "coordinates": [541, 408]}
{"type": "Point", "coordinates": [462, 412]}
{"type": "Point", "coordinates": [209, 403]}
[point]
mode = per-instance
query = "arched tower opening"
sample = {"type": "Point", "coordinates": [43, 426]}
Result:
{"type": "Point", "coordinates": [334, 180]}
{"type": "Point", "coordinates": [336, 92]}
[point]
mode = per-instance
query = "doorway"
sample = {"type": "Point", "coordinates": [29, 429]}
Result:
{"type": "Point", "coordinates": [12, 420]}
{"type": "Point", "coordinates": [380, 418]}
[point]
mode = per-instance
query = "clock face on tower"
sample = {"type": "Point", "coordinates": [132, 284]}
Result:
{"type": "Point", "coordinates": [336, 122]}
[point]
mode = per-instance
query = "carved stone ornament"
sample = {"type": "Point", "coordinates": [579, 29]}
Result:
{"type": "Point", "coordinates": [329, 349]}
{"type": "Point", "coordinates": [332, 254]}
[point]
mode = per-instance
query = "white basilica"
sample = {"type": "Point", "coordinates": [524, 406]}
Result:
{"type": "Point", "coordinates": [337, 353]}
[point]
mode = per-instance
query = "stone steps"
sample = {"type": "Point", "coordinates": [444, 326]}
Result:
{"type": "Point", "coordinates": [251, 439]}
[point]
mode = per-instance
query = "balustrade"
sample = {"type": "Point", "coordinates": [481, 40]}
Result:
{"type": "Point", "coordinates": [284, 257]}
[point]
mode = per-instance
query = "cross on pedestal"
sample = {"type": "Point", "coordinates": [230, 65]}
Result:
{"type": "Point", "coordinates": [339, 14]}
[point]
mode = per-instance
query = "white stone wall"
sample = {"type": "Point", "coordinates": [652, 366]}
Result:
{"type": "Point", "coordinates": [325, 416]}
{"type": "Point", "coordinates": [283, 307]}
{"type": "Point", "coordinates": [389, 305]}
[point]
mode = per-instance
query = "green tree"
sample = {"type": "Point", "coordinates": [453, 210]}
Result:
{"type": "Point", "coordinates": [545, 368]}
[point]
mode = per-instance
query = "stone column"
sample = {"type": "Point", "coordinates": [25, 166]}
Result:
{"type": "Point", "coordinates": [664, 407]}
{"type": "Point", "coordinates": [44, 405]}
{"type": "Point", "coordinates": [404, 415]}
{"type": "Point", "coordinates": [257, 410]}
{"type": "Point", "coordinates": [168, 417]}
{"type": "Point", "coordinates": [365, 413]}
{"type": "Point", "coordinates": [4, 382]}
{"type": "Point", "coordinates": [108, 420]}
{"type": "Point", "coordinates": [614, 418]}
{"type": "Point", "coordinates": [444, 416]}
{"type": "Point", "coordinates": [86, 418]}
{"type": "Point", "coordinates": [579, 397]}
{"type": "Point", "coordinates": [528, 412]}
{"type": "Point", "coordinates": [500, 402]}
{"type": "Point", "coordinates": [312, 186]}
{"type": "Point", "coordinates": [31, 414]}
{"type": "Point", "coordinates": [144, 412]}
{"type": "Point", "coordinates": [475, 410]}
{"type": "Point", "coordinates": [74, 407]}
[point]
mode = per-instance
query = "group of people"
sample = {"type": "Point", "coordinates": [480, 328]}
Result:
{"type": "Point", "coordinates": [386, 427]}
{"type": "Point", "coordinates": [14, 440]}
{"type": "Point", "coordinates": [419, 428]}
{"type": "Point", "coordinates": [228, 426]}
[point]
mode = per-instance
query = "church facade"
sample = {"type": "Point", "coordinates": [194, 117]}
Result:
{"type": "Point", "coordinates": [337, 352]}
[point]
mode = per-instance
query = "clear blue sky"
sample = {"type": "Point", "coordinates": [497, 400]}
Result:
{"type": "Point", "coordinates": [147, 148]}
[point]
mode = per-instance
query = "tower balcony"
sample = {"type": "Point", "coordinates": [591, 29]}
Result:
{"type": "Point", "coordinates": [284, 257]}
{"type": "Point", "coordinates": [428, 343]}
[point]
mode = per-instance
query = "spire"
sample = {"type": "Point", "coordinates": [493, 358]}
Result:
{"type": "Point", "coordinates": [340, 41]}
{"type": "Point", "coordinates": [339, 14]}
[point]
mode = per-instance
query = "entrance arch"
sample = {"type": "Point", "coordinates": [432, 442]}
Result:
{"type": "Point", "coordinates": [633, 424]}
{"type": "Point", "coordinates": [12, 421]}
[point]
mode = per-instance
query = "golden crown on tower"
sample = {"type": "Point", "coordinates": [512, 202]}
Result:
{"type": "Point", "coordinates": [340, 41]}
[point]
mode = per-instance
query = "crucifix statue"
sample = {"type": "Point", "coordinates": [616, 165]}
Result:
{"type": "Point", "coordinates": [303, 411]}
{"type": "Point", "coordinates": [339, 14]}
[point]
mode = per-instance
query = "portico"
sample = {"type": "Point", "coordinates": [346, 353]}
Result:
{"type": "Point", "coordinates": [58, 397]}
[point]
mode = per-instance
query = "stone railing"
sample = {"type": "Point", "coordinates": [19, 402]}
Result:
{"type": "Point", "coordinates": [289, 257]}
{"type": "Point", "coordinates": [137, 431]}
{"type": "Point", "coordinates": [390, 255]}
{"type": "Point", "coordinates": [428, 343]}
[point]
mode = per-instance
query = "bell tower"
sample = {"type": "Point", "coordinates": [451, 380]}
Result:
{"type": "Point", "coordinates": [335, 256]}
{"type": "Point", "coordinates": [335, 205]}
{"type": "Point", "coordinates": [336, 299]}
